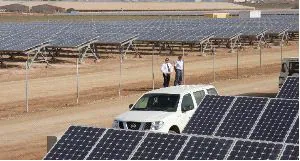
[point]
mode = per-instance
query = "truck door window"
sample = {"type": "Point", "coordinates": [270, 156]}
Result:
{"type": "Point", "coordinates": [283, 68]}
{"type": "Point", "coordinates": [187, 101]}
{"type": "Point", "coordinates": [294, 68]}
{"type": "Point", "coordinates": [199, 95]}
{"type": "Point", "coordinates": [212, 91]}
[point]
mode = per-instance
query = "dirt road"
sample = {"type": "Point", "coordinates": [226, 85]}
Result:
{"type": "Point", "coordinates": [53, 93]}
{"type": "Point", "coordinates": [46, 85]}
{"type": "Point", "coordinates": [25, 137]}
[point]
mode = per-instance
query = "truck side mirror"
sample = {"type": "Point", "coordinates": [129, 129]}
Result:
{"type": "Point", "coordinates": [130, 106]}
{"type": "Point", "coordinates": [186, 108]}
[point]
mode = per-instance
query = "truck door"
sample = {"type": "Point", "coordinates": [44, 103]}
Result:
{"type": "Point", "coordinates": [187, 101]}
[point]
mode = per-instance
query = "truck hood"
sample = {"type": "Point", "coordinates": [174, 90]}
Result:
{"type": "Point", "coordinates": [144, 116]}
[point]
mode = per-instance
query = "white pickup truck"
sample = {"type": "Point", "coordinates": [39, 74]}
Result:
{"type": "Point", "coordinates": [164, 110]}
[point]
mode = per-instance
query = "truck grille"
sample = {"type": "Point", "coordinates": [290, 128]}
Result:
{"type": "Point", "coordinates": [147, 126]}
{"type": "Point", "coordinates": [133, 125]}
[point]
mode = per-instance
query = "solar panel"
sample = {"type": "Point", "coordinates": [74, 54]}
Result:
{"type": "Point", "coordinates": [117, 38]}
{"type": "Point", "coordinates": [200, 148]}
{"type": "Point", "coordinates": [241, 117]}
{"type": "Point", "coordinates": [290, 88]}
{"type": "Point", "coordinates": [20, 44]}
{"type": "Point", "coordinates": [75, 143]}
{"type": "Point", "coordinates": [72, 40]}
{"type": "Point", "coordinates": [291, 152]}
{"type": "Point", "coordinates": [276, 120]}
{"type": "Point", "coordinates": [158, 146]}
{"type": "Point", "coordinates": [208, 115]}
{"type": "Point", "coordinates": [116, 145]}
{"type": "Point", "coordinates": [250, 150]}
{"type": "Point", "coordinates": [294, 134]}
{"type": "Point", "coordinates": [73, 34]}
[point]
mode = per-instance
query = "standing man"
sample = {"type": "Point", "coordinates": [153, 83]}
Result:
{"type": "Point", "coordinates": [178, 71]}
{"type": "Point", "coordinates": [166, 69]}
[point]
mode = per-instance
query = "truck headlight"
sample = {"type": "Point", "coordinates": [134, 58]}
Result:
{"type": "Point", "coordinates": [115, 124]}
{"type": "Point", "coordinates": [157, 125]}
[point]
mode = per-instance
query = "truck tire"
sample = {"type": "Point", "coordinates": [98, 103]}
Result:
{"type": "Point", "coordinates": [172, 132]}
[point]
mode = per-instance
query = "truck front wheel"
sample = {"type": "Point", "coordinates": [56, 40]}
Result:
{"type": "Point", "coordinates": [174, 130]}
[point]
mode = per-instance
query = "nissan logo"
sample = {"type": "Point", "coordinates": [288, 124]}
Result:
{"type": "Point", "coordinates": [133, 125]}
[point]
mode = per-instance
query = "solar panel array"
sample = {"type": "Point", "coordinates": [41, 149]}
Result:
{"type": "Point", "coordinates": [160, 147]}
{"type": "Point", "coordinates": [112, 144]}
{"type": "Point", "coordinates": [241, 118]}
{"type": "Point", "coordinates": [262, 126]}
{"type": "Point", "coordinates": [204, 148]}
{"type": "Point", "coordinates": [223, 127]}
{"type": "Point", "coordinates": [253, 150]}
{"type": "Point", "coordinates": [294, 134]}
{"type": "Point", "coordinates": [208, 115]}
{"type": "Point", "coordinates": [290, 153]}
{"type": "Point", "coordinates": [75, 143]}
{"type": "Point", "coordinates": [276, 120]}
{"type": "Point", "coordinates": [14, 36]}
{"type": "Point", "coordinates": [290, 88]}
{"type": "Point", "coordinates": [116, 145]}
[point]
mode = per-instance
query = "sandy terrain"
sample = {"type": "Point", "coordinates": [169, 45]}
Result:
{"type": "Point", "coordinates": [53, 92]}
{"type": "Point", "coordinates": [134, 6]}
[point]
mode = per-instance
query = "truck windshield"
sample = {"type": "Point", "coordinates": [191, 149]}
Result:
{"type": "Point", "coordinates": [157, 102]}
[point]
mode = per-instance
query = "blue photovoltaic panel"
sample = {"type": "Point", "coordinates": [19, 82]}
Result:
{"type": "Point", "coordinates": [241, 117]}
{"type": "Point", "coordinates": [294, 134]}
{"type": "Point", "coordinates": [74, 34]}
{"type": "Point", "coordinates": [158, 146]}
{"type": "Point", "coordinates": [290, 88]}
{"type": "Point", "coordinates": [276, 120]}
{"type": "Point", "coordinates": [114, 38]}
{"type": "Point", "coordinates": [208, 115]}
{"type": "Point", "coordinates": [200, 148]}
{"type": "Point", "coordinates": [291, 152]}
{"type": "Point", "coordinates": [72, 40]}
{"type": "Point", "coordinates": [116, 145]}
{"type": "Point", "coordinates": [75, 143]}
{"type": "Point", "coordinates": [248, 150]}
{"type": "Point", "coordinates": [20, 44]}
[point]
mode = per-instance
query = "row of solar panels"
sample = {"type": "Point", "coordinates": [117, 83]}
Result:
{"type": "Point", "coordinates": [223, 127]}
{"type": "Point", "coordinates": [290, 88]}
{"type": "Point", "coordinates": [71, 40]}
{"type": "Point", "coordinates": [245, 117]}
{"type": "Point", "coordinates": [79, 143]}
{"type": "Point", "coordinates": [23, 36]}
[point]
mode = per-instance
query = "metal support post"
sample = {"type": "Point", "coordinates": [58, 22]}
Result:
{"type": "Point", "coordinates": [77, 80]}
{"type": "Point", "coordinates": [260, 55]}
{"type": "Point", "coordinates": [281, 51]}
{"type": "Point", "coordinates": [153, 68]}
{"type": "Point", "coordinates": [183, 72]}
{"type": "Point", "coordinates": [237, 63]}
{"type": "Point", "coordinates": [214, 57]}
{"type": "Point", "coordinates": [120, 76]}
{"type": "Point", "coordinates": [26, 86]}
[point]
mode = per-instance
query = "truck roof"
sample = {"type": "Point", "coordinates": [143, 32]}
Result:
{"type": "Point", "coordinates": [182, 89]}
{"type": "Point", "coordinates": [291, 59]}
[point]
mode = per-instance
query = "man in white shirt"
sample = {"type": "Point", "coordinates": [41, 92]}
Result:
{"type": "Point", "coordinates": [166, 69]}
{"type": "Point", "coordinates": [178, 71]}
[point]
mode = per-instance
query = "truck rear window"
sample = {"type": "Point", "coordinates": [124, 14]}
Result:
{"type": "Point", "coordinates": [199, 95]}
{"type": "Point", "coordinates": [212, 91]}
